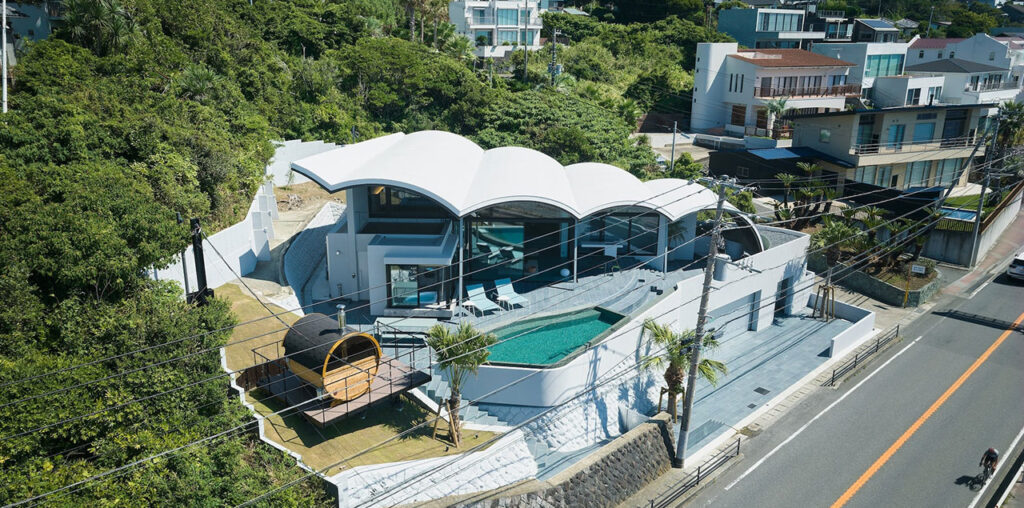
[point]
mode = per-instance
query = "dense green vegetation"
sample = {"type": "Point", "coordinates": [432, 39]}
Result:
{"type": "Point", "coordinates": [140, 109]}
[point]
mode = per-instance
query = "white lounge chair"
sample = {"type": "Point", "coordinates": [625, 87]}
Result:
{"type": "Point", "coordinates": [478, 299]}
{"type": "Point", "coordinates": [507, 294]}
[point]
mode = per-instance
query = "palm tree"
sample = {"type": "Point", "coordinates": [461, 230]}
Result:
{"type": "Point", "coordinates": [832, 238]}
{"type": "Point", "coordinates": [775, 107]}
{"type": "Point", "coordinates": [103, 26]}
{"type": "Point", "coordinates": [676, 356]}
{"type": "Point", "coordinates": [459, 354]}
{"type": "Point", "coordinates": [787, 180]}
{"type": "Point", "coordinates": [1011, 126]}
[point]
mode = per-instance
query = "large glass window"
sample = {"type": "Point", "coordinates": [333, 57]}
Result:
{"type": "Point", "coordinates": [508, 16]}
{"type": "Point", "coordinates": [913, 96]}
{"type": "Point", "coordinates": [485, 37]}
{"type": "Point", "coordinates": [394, 202]}
{"type": "Point", "coordinates": [480, 15]}
{"type": "Point", "coordinates": [633, 234]}
{"type": "Point", "coordinates": [780, 22]}
{"type": "Point", "coordinates": [411, 286]}
{"type": "Point", "coordinates": [946, 170]}
{"type": "Point", "coordinates": [918, 174]}
{"type": "Point", "coordinates": [519, 240]}
{"type": "Point", "coordinates": [508, 36]}
{"type": "Point", "coordinates": [924, 131]}
{"type": "Point", "coordinates": [895, 136]}
{"type": "Point", "coordinates": [884, 65]}
{"type": "Point", "coordinates": [527, 36]}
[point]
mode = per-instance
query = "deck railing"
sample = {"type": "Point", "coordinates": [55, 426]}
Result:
{"type": "Point", "coordinates": [912, 146]}
{"type": "Point", "coordinates": [808, 91]}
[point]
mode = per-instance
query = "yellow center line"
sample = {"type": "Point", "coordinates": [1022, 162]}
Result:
{"type": "Point", "coordinates": [924, 417]}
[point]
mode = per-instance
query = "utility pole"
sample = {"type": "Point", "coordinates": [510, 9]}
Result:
{"type": "Point", "coordinates": [672, 162]}
{"type": "Point", "coordinates": [977, 217]}
{"type": "Point", "coordinates": [526, 47]}
{"type": "Point", "coordinates": [698, 337]}
{"type": "Point", "coordinates": [929, 33]}
{"type": "Point", "coordinates": [203, 291]}
{"type": "Point", "coordinates": [184, 265]}
{"type": "Point", "coordinates": [3, 48]}
{"type": "Point", "coordinates": [553, 69]}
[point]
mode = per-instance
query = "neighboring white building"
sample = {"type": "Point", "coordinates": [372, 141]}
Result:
{"type": "Point", "coordinates": [978, 70]}
{"type": "Point", "coordinates": [498, 26]}
{"type": "Point", "coordinates": [732, 86]}
{"type": "Point", "coordinates": [871, 60]}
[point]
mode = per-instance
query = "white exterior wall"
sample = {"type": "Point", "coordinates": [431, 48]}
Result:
{"type": "Point", "coordinates": [974, 49]}
{"type": "Point", "coordinates": [437, 253]}
{"type": "Point", "coordinates": [242, 245]}
{"type": "Point", "coordinates": [550, 387]}
{"type": "Point", "coordinates": [891, 91]}
{"type": "Point", "coordinates": [710, 84]}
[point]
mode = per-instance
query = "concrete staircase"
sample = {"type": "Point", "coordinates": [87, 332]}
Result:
{"type": "Point", "coordinates": [438, 389]}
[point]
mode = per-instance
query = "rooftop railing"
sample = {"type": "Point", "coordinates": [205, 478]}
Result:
{"type": "Point", "coordinates": [912, 146]}
{"type": "Point", "coordinates": [814, 91]}
{"type": "Point", "coordinates": [990, 87]}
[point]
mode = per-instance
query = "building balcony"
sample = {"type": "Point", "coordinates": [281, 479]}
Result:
{"type": "Point", "coordinates": [880, 153]}
{"type": "Point", "coordinates": [990, 87]}
{"type": "Point", "coordinates": [483, 20]}
{"type": "Point", "coordinates": [815, 91]}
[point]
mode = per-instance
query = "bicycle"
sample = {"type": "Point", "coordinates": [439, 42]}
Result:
{"type": "Point", "coordinates": [982, 478]}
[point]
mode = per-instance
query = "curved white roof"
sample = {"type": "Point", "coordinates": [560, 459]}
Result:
{"type": "Point", "coordinates": [463, 177]}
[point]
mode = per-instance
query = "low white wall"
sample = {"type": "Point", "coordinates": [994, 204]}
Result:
{"type": "Point", "coordinates": [505, 462]}
{"type": "Point", "coordinates": [863, 322]}
{"type": "Point", "coordinates": [241, 245]}
{"type": "Point", "coordinates": [553, 386]}
{"type": "Point", "coordinates": [988, 238]}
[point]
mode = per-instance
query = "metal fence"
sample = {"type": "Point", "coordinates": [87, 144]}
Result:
{"type": "Point", "coordinates": [858, 358]}
{"type": "Point", "coordinates": [693, 479]}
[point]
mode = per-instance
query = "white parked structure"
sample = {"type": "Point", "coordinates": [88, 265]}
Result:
{"type": "Point", "coordinates": [498, 26]}
{"type": "Point", "coordinates": [732, 86]}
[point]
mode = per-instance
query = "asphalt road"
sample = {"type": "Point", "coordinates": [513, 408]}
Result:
{"type": "Point", "coordinates": [825, 449]}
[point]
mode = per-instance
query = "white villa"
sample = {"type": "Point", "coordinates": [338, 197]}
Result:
{"type": "Point", "coordinates": [731, 87]}
{"type": "Point", "coordinates": [498, 26]}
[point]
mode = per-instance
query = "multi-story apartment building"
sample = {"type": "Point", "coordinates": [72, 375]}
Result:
{"type": "Point", "coordinates": [902, 148]}
{"type": "Point", "coordinates": [499, 26]}
{"type": "Point", "coordinates": [978, 69]}
{"type": "Point", "coordinates": [871, 60]}
{"type": "Point", "coordinates": [732, 86]}
{"type": "Point", "coordinates": [768, 28]}
{"type": "Point", "coordinates": [836, 25]}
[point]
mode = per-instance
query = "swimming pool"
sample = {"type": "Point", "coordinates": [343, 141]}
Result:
{"type": "Point", "coordinates": [547, 340]}
{"type": "Point", "coordinates": [958, 213]}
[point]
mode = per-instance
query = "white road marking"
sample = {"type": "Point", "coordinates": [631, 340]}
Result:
{"type": "Point", "coordinates": [1006, 456]}
{"type": "Point", "coordinates": [819, 415]}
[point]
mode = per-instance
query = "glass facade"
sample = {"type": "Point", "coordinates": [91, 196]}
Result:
{"type": "Point", "coordinates": [883, 65]}
{"type": "Point", "coordinates": [486, 37]}
{"type": "Point", "coordinates": [874, 175]}
{"type": "Point", "coordinates": [918, 174]}
{"type": "Point", "coordinates": [636, 234]}
{"type": "Point", "coordinates": [393, 202]}
{"type": "Point", "coordinates": [924, 131]}
{"type": "Point", "coordinates": [522, 240]}
{"type": "Point", "coordinates": [508, 36]}
{"type": "Point", "coordinates": [946, 170]}
{"type": "Point", "coordinates": [508, 16]}
{"type": "Point", "coordinates": [412, 286]}
{"type": "Point", "coordinates": [779, 22]}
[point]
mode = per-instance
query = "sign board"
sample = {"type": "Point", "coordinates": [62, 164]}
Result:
{"type": "Point", "coordinates": [918, 269]}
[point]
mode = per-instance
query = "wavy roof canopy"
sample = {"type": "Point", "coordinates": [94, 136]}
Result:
{"type": "Point", "coordinates": [463, 177]}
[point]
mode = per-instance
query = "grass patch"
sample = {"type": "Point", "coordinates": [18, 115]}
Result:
{"type": "Point", "coordinates": [321, 448]}
{"type": "Point", "coordinates": [269, 330]}
{"type": "Point", "coordinates": [899, 279]}
{"type": "Point", "coordinates": [968, 203]}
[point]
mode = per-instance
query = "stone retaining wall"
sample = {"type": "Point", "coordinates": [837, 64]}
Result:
{"type": "Point", "coordinates": [860, 282]}
{"type": "Point", "coordinates": [607, 477]}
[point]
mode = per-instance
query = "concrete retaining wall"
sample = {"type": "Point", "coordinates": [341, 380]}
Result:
{"type": "Point", "coordinates": [955, 246]}
{"type": "Point", "coordinates": [306, 251]}
{"type": "Point", "coordinates": [863, 322]}
{"type": "Point", "coordinates": [241, 245]}
{"type": "Point", "coordinates": [605, 478]}
{"type": "Point", "coordinates": [856, 280]}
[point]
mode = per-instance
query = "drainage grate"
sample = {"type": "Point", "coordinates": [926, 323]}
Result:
{"type": "Point", "coordinates": [751, 406]}
{"type": "Point", "coordinates": [761, 390]}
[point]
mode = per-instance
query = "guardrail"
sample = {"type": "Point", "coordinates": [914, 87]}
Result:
{"type": "Point", "coordinates": [858, 358]}
{"type": "Point", "coordinates": [912, 146]}
{"type": "Point", "coordinates": [693, 479]}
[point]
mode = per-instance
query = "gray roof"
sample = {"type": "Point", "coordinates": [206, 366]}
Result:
{"type": "Point", "coordinates": [877, 24]}
{"type": "Point", "coordinates": [310, 339]}
{"type": "Point", "coordinates": [954, 65]}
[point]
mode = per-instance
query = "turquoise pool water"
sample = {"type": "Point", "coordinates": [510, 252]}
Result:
{"type": "Point", "coordinates": [552, 338]}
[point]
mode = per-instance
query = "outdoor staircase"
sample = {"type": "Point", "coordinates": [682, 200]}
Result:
{"type": "Point", "coordinates": [437, 389]}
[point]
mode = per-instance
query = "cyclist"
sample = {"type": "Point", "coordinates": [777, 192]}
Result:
{"type": "Point", "coordinates": [989, 460]}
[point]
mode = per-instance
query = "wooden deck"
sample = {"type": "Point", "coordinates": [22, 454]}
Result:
{"type": "Point", "coordinates": [393, 378]}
